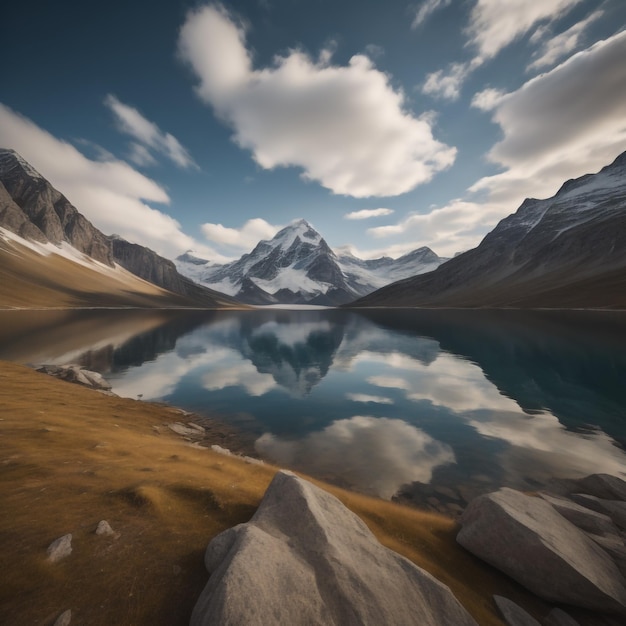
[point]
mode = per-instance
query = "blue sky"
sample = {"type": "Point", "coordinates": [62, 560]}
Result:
{"type": "Point", "coordinates": [386, 125]}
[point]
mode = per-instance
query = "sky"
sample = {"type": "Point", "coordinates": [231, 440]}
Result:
{"type": "Point", "coordinates": [387, 125]}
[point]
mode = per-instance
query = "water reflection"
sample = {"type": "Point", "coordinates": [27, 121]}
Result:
{"type": "Point", "coordinates": [382, 401]}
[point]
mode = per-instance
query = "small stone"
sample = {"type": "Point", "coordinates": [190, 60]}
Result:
{"type": "Point", "coordinates": [60, 548]}
{"type": "Point", "coordinates": [64, 619]}
{"type": "Point", "coordinates": [513, 614]}
{"type": "Point", "coordinates": [104, 528]}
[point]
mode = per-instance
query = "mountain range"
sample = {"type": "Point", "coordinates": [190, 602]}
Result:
{"type": "Point", "coordinates": [297, 266]}
{"type": "Point", "coordinates": [567, 251]}
{"type": "Point", "coordinates": [94, 269]}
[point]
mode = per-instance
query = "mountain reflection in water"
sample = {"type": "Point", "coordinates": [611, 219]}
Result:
{"type": "Point", "coordinates": [381, 401]}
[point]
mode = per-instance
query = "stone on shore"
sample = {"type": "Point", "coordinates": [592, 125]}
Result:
{"type": "Point", "coordinates": [615, 509]}
{"type": "Point", "coordinates": [603, 486]}
{"type": "Point", "coordinates": [60, 548]}
{"type": "Point", "coordinates": [65, 619]}
{"type": "Point", "coordinates": [582, 517]}
{"type": "Point", "coordinates": [528, 540]}
{"type": "Point", "coordinates": [558, 617]}
{"type": "Point", "coordinates": [77, 374]}
{"type": "Point", "coordinates": [513, 614]}
{"type": "Point", "coordinates": [104, 528]}
{"type": "Point", "coordinates": [304, 558]}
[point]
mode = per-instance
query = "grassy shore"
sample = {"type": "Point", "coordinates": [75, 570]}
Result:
{"type": "Point", "coordinates": [70, 457]}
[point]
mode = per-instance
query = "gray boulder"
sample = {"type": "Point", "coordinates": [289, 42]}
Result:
{"type": "Point", "coordinates": [104, 528]}
{"type": "Point", "coordinates": [615, 509]}
{"type": "Point", "coordinates": [65, 619]}
{"type": "Point", "coordinates": [304, 558]}
{"type": "Point", "coordinates": [582, 517]}
{"type": "Point", "coordinates": [603, 486]}
{"type": "Point", "coordinates": [513, 614]}
{"type": "Point", "coordinates": [60, 548]}
{"type": "Point", "coordinates": [557, 617]}
{"type": "Point", "coordinates": [527, 539]}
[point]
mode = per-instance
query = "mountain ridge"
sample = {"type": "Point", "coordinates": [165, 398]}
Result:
{"type": "Point", "coordinates": [34, 210]}
{"type": "Point", "coordinates": [566, 250]}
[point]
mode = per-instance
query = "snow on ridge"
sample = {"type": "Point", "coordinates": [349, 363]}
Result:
{"type": "Point", "coordinates": [9, 159]}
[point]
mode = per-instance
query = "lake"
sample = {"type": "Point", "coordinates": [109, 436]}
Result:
{"type": "Point", "coordinates": [426, 406]}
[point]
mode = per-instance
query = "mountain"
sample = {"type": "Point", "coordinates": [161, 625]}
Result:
{"type": "Point", "coordinates": [297, 266]}
{"type": "Point", "coordinates": [45, 223]}
{"type": "Point", "coordinates": [567, 251]}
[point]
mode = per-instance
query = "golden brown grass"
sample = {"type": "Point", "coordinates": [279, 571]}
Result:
{"type": "Point", "coordinates": [70, 457]}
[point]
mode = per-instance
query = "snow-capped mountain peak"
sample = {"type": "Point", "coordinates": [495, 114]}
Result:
{"type": "Point", "coordinates": [297, 266]}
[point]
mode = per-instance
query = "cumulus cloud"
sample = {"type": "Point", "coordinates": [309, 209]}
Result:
{"type": "Point", "coordinates": [560, 46]}
{"type": "Point", "coordinates": [131, 122]}
{"type": "Point", "coordinates": [244, 238]}
{"type": "Point", "coordinates": [109, 193]}
{"type": "Point", "coordinates": [492, 26]}
{"type": "Point", "coordinates": [487, 99]}
{"type": "Point", "coordinates": [365, 214]}
{"type": "Point", "coordinates": [363, 397]}
{"type": "Point", "coordinates": [447, 83]}
{"type": "Point", "coordinates": [426, 9]}
{"type": "Point", "coordinates": [344, 126]}
{"type": "Point", "coordinates": [559, 125]}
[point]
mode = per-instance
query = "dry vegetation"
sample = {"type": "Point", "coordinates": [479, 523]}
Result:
{"type": "Point", "coordinates": [70, 457]}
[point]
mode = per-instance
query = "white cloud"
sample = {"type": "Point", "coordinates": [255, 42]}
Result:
{"type": "Point", "coordinates": [447, 84]}
{"type": "Point", "coordinates": [242, 374]}
{"type": "Point", "coordinates": [495, 24]}
{"type": "Point", "coordinates": [344, 126]}
{"type": "Point", "coordinates": [487, 99]}
{"type": "Point", "coordinates": [140, 155]}
{"type": "Point", "coordinates": [559, 125]}
{"type": "Point", "coordinates": [130, 121]}
{"type": "Point", "coordinates": [374, 455]}
{"type": "Point", "coordinates": [244, 238]}
{"type": "Point", "coordinates": [426, 9]}
{"type": "Point", "coordinates": [110, 193]}
{"type": "Point", "coordinates": [560, 46]}
{"type": "Point", "coordinates": [365, 214]}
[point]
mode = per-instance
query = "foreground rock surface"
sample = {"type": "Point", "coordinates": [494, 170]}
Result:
{"type": "Point", "coordinates": [306, 559]}
{"type": "Point", "coordinates": [513, 614]}
{"type": "Point", "coordinates": [77, 374]}
{"type": "Point", "coordinates": [527, 539]}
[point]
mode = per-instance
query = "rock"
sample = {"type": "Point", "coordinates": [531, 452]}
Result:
{"type": "Point", "coordinates": [185, 431]}
{"type": "Point", "coordinates": [513, 614]}
{"type": "Point", "coordinates": [104, 528]}
{"type": "Point", "coordinates": [582, 517]}
{"type": "Point", "coordinates": [77, 374]}
{"type": "Point", "coordinates": [304, 545]}
{"type": "Point", "coordinates": [614, 546]}
{"type": "Point", "coordinates": [557, 617]}
{"type": "Point", "coordinates": [60, 548]}
{"type": "Point", "coordinates": [615, 509]}
{"type": "Point", "coordinates": [603, 486]}
{"type": "Point", "coordinates": [527, 539]}
{"type": "Point", "coordinates": [64, 619]}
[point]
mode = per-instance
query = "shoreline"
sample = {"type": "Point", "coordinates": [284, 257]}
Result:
{"type": "Point", "coordinates": [72, 457]}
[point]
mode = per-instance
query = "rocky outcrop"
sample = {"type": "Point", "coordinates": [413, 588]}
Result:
{"type": "Point", "coordinates": [526, 538]}
{"type": "Point", "coordinates": [49, 210]}
{"type": "Point", "coordinates": [14, 219]}
{"type": "Point", "coordinates": [76, 374]}
{"type": "Point", "coordinates": [305, 559]}
{"type": "Point", "coordinates": [513, 614]}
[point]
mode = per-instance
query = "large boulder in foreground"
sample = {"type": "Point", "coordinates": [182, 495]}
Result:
{"type": "Point", "coordinates": [527, 539]}
{"type": "Point", "coordinates": [304, 558]}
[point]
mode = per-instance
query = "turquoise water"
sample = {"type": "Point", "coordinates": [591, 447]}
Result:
{"type": "Point", "coordinates": [391, 403]}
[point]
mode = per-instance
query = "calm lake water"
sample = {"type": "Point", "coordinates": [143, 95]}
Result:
{"type": "Point", "coordinates": [446, 403]}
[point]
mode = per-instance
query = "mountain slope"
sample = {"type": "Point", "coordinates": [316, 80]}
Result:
{"type": "Point", "coordinates": [564, 251]}
{"type": "Point", "coordinates": [34, 210]}
{"type": "Point", "coordinates": [297, 266]}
